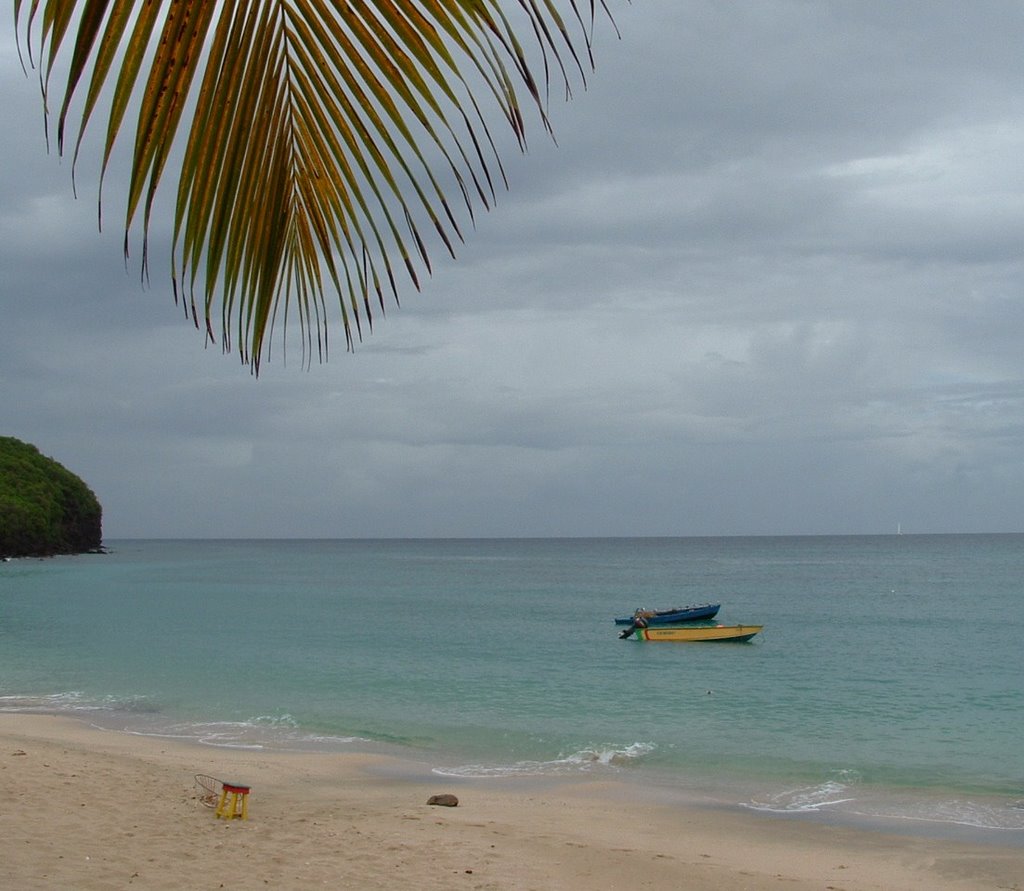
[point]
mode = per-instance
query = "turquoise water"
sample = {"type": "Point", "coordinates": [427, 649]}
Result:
{"type": "Point", "coordinates": [886, 685]}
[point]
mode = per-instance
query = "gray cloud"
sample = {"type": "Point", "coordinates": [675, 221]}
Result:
{"type": "Point", "coordinates": [769, 281]}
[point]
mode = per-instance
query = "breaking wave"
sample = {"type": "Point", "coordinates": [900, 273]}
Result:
{"type": "Point", "coordinates": [588, 759]}
{"type": "Point", "coordinates": [832, 792]}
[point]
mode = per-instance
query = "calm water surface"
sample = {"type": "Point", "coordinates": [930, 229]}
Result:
{"type": "Point", "coordinates": [886, 685]}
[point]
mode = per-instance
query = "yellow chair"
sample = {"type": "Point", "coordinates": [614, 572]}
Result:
{"type": "Point", "coordinates": [234, 801]}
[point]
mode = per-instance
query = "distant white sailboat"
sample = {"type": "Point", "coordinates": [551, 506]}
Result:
{"type": "Point", "coordinates": [899, 528]}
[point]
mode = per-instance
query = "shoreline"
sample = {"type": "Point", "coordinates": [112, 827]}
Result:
{"type": "Point", "coordinates": [92, 808]}
{"type": "Point", "coordinates": [949, 814]}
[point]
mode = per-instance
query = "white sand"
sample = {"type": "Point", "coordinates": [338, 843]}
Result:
{"type": "Point", "coordinates": [89, 809]}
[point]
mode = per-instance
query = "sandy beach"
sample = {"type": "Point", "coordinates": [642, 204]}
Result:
{"type": "Point", "coordinates": [87, 808]}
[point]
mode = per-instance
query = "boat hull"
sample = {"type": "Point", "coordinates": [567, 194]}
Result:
{"type": "Point", "coordinates": [673, 616]}
{"type": "Point", "coordinates": [693, 633]}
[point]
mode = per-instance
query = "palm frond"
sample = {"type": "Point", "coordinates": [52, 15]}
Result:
{"type": "Point", "coordinates": [319, 137]}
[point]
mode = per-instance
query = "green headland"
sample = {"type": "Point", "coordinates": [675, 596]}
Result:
{"type": "Point", "coordinates": [44, 508]}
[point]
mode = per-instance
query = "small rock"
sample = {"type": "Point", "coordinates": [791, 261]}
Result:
{"type": "Point", "coordinates": [446, 799]}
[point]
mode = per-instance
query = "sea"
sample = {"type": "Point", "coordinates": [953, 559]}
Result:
{"type": "Point", "coordinates": [886, 689]}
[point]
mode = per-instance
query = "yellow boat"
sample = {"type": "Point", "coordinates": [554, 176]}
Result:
{"type": "Point", "coordinates": [697, 632]}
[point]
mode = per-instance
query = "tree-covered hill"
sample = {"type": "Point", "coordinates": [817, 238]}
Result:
{"type": "Point", "coordinates": [44, 508]}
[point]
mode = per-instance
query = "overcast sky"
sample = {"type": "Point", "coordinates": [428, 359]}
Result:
{"type": "Point", "coordinates": [769, 281]}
